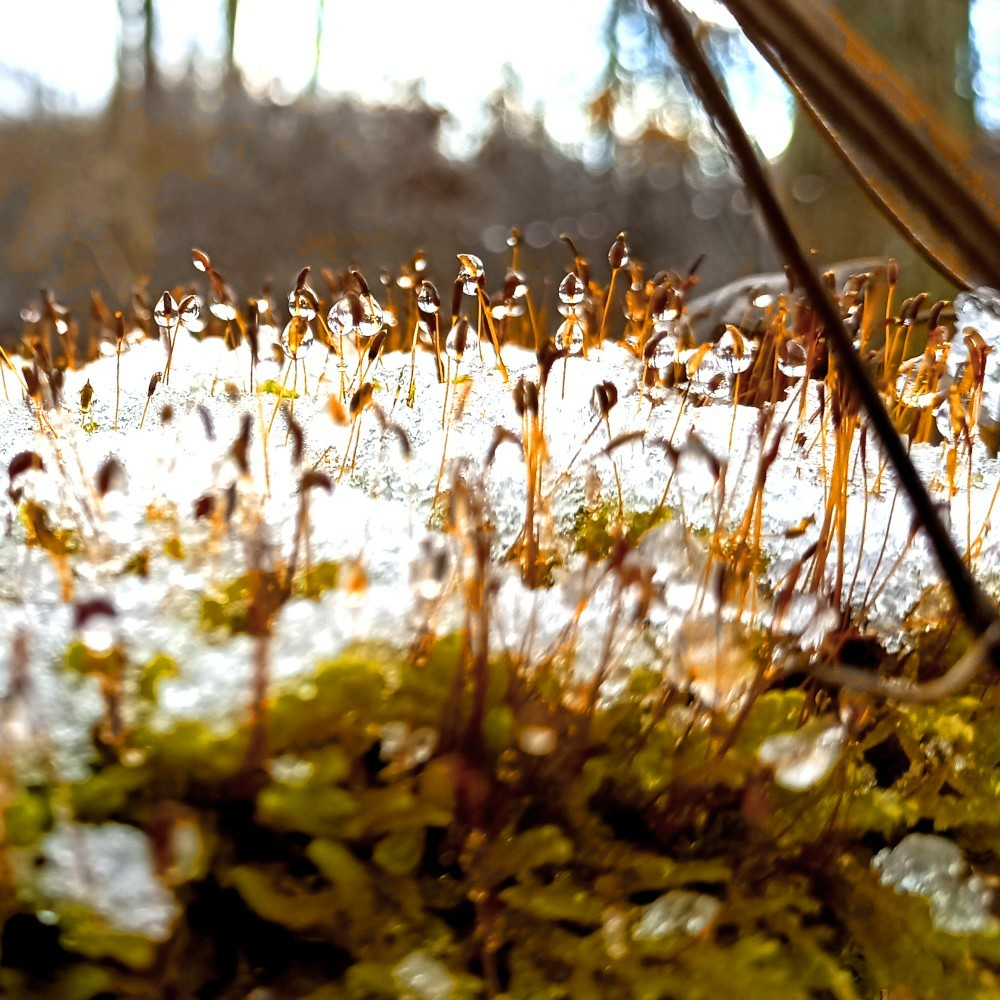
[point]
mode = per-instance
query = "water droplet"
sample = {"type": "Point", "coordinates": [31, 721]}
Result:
{"type": "Point", "coordinates": [47, 917]}
{"type": "Point", "coordinates": [356, 313]}
{"type": "Point", "coordinates": [340, 318]}
{"type": "Point", "coordinates": [515, 294]}
{"type": "Point", "coordinates": [429, 572]}
{"type": "Point", "coordinates": [537, 741]}
{"type": "Point", "coordinates": [804, 758]}
{"type": "Point", "coordinates": [371, 317]}
{"type": "Point", "coordinates": [422, 977]}
{"type": "Point", "coordinates": [733, 352]}
{"type": "Point", "coordinates": [662, 350]}
{"type": "Point", "coordinates": [461, 338]}
{"type": "Point", "coordinates": [225, 311]}
{"type": "Point", "coordinates": [680, 910]}
{"type": "Point", "coordinates": [303, 303]}
{"type": "Point", "coordinates": [470, 272]}
{"type": "Point", "coordinates": [793, 359]}
{"type": "Point", "coordinates": [428, 300]}
{"type": "Point", "coordinates": [166, 311]}
{"type": "Point", "coordinates": [706, 374]}
{"type": "Point", "coordinates": [571, 290]}
{"type": "Point", "coordinates": [98, 633]}
{"type": "Point", "coordinates": [190, 310]}
{"type": "Point", "coordinates": [569, 336]}
{"type": "Point", "coordinates": [296, 338]}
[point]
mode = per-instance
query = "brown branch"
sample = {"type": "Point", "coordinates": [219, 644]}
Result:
{"type": "Point", "coordinates": [857, 95]}
{"type": "Point", "coordinates": [940, 259]}
{"type": "Point", "coordinates": [972, 602]}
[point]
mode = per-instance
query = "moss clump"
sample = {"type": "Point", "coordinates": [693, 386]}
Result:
{"type": "Point", "coordinates": [230, 607]}
{"type": "Point", "coordinates": [595, 529]}
{"type": "Point", "coordinates": [382, 822]}
{"type": "Point", "coordinates": [277, 389]}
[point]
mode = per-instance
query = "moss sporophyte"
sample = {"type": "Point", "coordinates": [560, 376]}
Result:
{"type": "Point", "coordinates": [386, 647]}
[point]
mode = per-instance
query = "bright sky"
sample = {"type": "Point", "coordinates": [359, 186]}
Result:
{"type": "Point", "coordinates": [372, 49]}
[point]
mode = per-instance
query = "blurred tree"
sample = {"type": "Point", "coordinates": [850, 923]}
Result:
{"type": "Point", "coordinates": [927, 43]}
{"type": "Point", "coordinates": [232, 10]}
{"type": "Point", "coordinates": [136, 55]}
{"type": "Point", "coordinates": [318, 47]}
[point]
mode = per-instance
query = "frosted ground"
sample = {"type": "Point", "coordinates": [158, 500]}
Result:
{"type": "Point", "coordinates": [386, 465]}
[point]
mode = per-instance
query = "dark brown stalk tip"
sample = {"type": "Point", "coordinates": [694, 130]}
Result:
{"type": "Point", "coordinates": [618, 254]}
{"type": "Point", "coordinates": [204, 507]}
{"type": "Point", "coordinates": [110, 476]}
{"type": "Point", "coordinates": [360, 279]}
{"type": "Point", "coordinates": [314, 479]}
{"type": "Point", "coordinates": [200, 260]}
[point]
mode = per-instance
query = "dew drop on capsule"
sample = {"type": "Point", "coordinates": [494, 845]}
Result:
{"type": "Point", "coordinates": [792, 358]}
{"type": "Point", "coordinates": [340, 319]}
{"type": "Point", "coordinates": [733, 352]}
{"type": "Point", "coordinates": [225, 311]}
{"type": "Point", "coordinates": [571, 289]}
{"type": "Point", "coordinates": [470, 272]}
{"type": "Point", "coordinates": [302, 302]}
{"type": "Point", "coordinates": [166, 311]}
{"type": "Point", "coordinates": [461, 338]}
{"type": "Point", "coordinates": [428, 300]}
{"type": "Point", "coordinates": [370, 319]}
{"type": "Point", "coordinates": [429, 572]}
{"type": "Point", "coordinates": [98, 634]}
{"type": "Point", "coordinates": [296, 338]}
{"type": "Point", "coordinates": [569, 336]}
{"type": "Point", "coordinates": [664, 350]}
{"type": "Point", "coordinates": [515, 294]}
{"type": "Point", "coordinates": [190, 314]}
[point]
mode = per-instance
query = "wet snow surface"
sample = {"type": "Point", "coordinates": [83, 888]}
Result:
{"type": "Point", "coordinates": [374, 519]}
{"type": "Point", "coordinates": [373, 523]}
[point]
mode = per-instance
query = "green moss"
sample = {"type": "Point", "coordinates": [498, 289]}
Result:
{"type": "Point", "coordinates": [277, 389]}
{"type": "Point", "coordinates": [27, 817]}
{"type": "Point", "coordinates": [318, 579]}
{"type": "Point", "coordinates": [594, 529]}
{"type": "Point", "coordinates": [229, 608]}
{"type": "Point", "coordinates": [364, 857]}
{"type": "Point", "coordinates": [158, 668]}
{"type": "Point", "coordinates": [174, 548]}
{"type": "Point", "coordinates": [88, 934]}
{"type": "Point", "coordinates": [81, 981]}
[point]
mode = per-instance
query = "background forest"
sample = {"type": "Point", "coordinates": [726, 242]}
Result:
{"type": "Point", "coordinates": [269, 178]}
